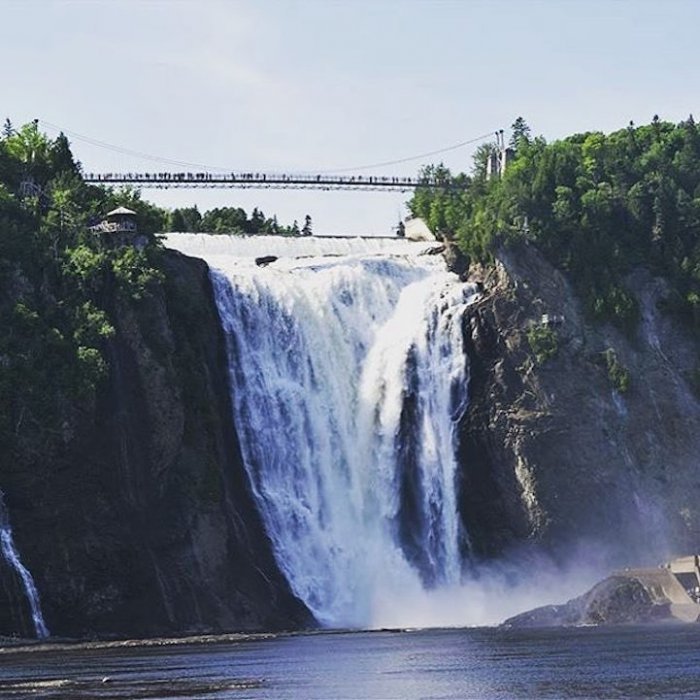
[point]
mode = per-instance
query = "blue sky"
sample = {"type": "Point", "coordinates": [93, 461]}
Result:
{"type": "Point", "coordinates": [307, 85]}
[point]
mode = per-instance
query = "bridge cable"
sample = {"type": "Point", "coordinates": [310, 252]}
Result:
{"type": "Point", "coordinates": [128, 151]}
{"type": "Point", "coordinates": [170, 161]}
{"type": "Point", "coordinates": [410, 158]}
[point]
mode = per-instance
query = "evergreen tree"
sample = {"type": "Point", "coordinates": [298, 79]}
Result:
{"type": "Point", "coordinates": [520, 132]}
{"type": "Point", "coordinates": [306, 229]}
{"type": "Point", "coordinates": [177, 221]}
{"type": "Point", "coordinates": [61, 156]}
{"type": "Point", "coordinates": [271, 226]}
{"type": "Point", "coordinates": [257, 221]}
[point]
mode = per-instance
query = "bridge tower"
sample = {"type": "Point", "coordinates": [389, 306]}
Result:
{"type": "Point", "coordinates": [499, 158]}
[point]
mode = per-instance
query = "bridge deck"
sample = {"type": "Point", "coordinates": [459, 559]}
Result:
{"type": "Point", "coordinates": [166, 180]}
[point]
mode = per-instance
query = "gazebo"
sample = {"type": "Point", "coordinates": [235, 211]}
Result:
{"type": "Point", "coordinates": [119, 228]}
{"type": "Point", "coordinates": [121, 219]}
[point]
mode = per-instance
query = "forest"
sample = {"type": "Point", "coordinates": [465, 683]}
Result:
{"type": "Point", "coordinates": [60, 282]}
{"type": "Point", "coordinates": [596, 205]}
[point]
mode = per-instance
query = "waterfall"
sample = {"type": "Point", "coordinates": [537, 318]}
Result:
{"type": "Point", "coordinates": [11, 556]}
{"type": "Point", "coordinates": [348, 375]}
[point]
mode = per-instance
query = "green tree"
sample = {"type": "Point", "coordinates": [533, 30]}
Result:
{"type": "Point", "coordinates": [306, 229]}
{"type": "Point", "coordinates": [61, 156]}
{"type": "Point", "coordinates": [595, 204]}
{"type": "Point", "coordinates": [187, 220]}
{"type": "Point", "coordinates": [257, 221]}
{"type": "Point", "coordinates": [29, 146]}
{"type": "Point", "coordinates": [520, 134]}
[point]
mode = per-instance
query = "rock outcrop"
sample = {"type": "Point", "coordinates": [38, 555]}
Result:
{"type": "Point", "coordinates": [667, 593]}
{"type": "Point", "coordinates": [140, 520]}
{"type": "Point", "coordinates": [617, 600]}
{"type": "Point", "coordinates": [555, 453]}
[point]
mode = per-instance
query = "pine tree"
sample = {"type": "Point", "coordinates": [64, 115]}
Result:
{"type": "Point", "coordinates": [7, 129]}
{"type": "Point", "coordinates": [520, 132]}
{"type": "Point", "coordinates": [306, 230]}
{"type": "Point", "coordinates": [61, 155]}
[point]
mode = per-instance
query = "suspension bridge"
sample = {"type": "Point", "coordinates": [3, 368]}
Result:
{"type": "Point", "coordinates": [194, 175]}
{"type": "Point", "coordinates": [250, 180]}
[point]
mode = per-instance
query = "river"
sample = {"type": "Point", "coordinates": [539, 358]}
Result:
{"type": "Point", "coordinates": [449, 664]}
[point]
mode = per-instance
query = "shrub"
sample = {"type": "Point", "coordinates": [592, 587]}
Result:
{"type": "Point", "coordinates": [133, 273]}
{"type": "Point", "coordinates": [618, 374]}
{"type": "Point", "coordinates": [544, 342]}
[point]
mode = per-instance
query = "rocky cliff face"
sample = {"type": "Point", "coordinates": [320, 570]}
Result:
{"type": "Point", "coordinates": [139, 520]}
{"type": "Point", "coordinates": [555, 453]}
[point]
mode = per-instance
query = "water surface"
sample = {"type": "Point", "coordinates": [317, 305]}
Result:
{"type": "Point", "coordinates": [484, 664]}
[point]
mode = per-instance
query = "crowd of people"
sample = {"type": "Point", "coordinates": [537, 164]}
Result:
{"type": "Point", "coordinates": [165, 177]}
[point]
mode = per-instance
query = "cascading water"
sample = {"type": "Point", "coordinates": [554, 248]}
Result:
{"type": "Point", "coordinates": [11, 556]}
{"type": "Point", "coordinates": [348, 375]}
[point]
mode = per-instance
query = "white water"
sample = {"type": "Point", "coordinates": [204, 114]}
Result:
{"type": "Point", "coordinates": [348, 376]}
{"type": "Point", "coordinates": [209, 246]}
{"type": "Point", "coordinates": [11, 556]}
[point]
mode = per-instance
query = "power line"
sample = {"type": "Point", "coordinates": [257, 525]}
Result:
{"type": "Point", "coordinates": [186, 164]}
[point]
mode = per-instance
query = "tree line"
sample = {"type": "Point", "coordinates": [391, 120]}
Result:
{"type": "Point", "coordinates": [61, 286]}
{"type": "Point", "coordinates": [232, 221]}
{"type": "Point", "coordinates": [597, 205]}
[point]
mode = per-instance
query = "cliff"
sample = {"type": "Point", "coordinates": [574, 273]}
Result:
{"type": "Point", "coordinates": [137, 520]}
{"type": "Point", "coordinates": [595, 440]}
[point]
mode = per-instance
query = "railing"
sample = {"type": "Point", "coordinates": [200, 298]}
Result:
{"type": "Point", "coordinates": [114, 227]}
{"type": "Point", "coordinates": [268, 180]}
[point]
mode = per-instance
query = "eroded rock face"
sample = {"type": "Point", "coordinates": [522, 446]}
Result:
{"type": "Point", "coordinates": [554, 453]}
{"type": "Point", "coordinates": [616, 600]}
{"type": "Point", "coordinates": [143, 522]}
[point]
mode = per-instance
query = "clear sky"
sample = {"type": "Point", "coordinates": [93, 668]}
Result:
{"type": "Point", "coordinates": [310, 85]}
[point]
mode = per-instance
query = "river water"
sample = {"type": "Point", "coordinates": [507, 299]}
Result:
{"type": "Point", "coordinates": [454, 664]}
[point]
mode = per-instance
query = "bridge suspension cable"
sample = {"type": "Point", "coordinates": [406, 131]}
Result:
{"type": "Point", "coordinates": [200, 166]}
{"type": "Point", "coordinates": [454, 147]}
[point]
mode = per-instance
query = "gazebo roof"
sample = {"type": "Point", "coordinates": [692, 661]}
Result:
{"type": "Point", "coordinates": [121, 211]}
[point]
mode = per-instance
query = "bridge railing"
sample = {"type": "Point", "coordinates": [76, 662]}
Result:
{"type": "Point", "coordinates": [233, 179]}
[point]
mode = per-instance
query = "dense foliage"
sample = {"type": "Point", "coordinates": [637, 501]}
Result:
{"type": "Point", "coordinates": [232, 220]}
{"type": "Point", "coordinates": [596, 205]}
{"type": "Point", "coordinates": [543, 341]}
{"type": "Point", "coordinates": [58, 285]}
{"type": "Point", "coordinates": [61, 283]}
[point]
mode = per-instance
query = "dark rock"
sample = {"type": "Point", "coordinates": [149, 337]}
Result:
{"type": "Point", "coordinates": [264, 260]}
{"type": "Point", "coordinates": [456, 260]}
{"type": "Point", "coordinates": [552, 454]}
{"type": "Point", "coordinates": [616, 600]}
{"type": "Point", "coordinates": [142, 522]}
{"type": "Point", "coordinates": [435, 250]}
